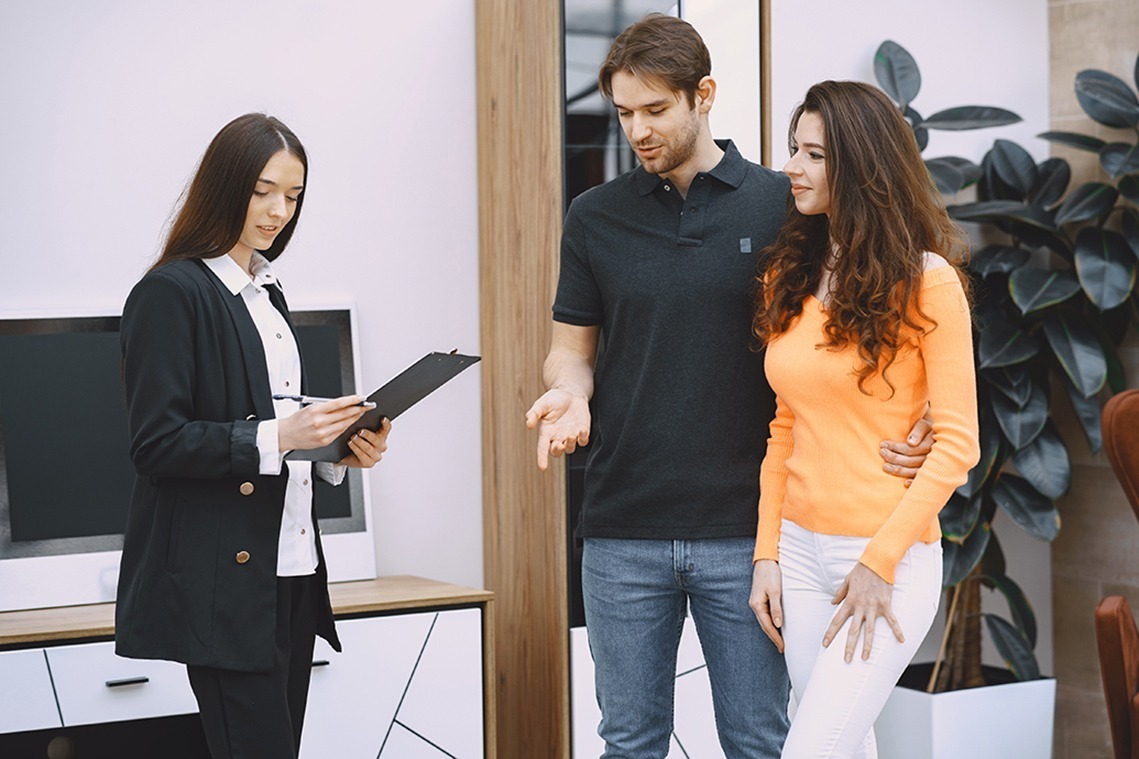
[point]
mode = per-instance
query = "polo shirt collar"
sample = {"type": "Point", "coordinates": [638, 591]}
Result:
{"type": "Point", "coordinates": [234, 278]}
{"type": "Point", "coordinates": [731, 170]}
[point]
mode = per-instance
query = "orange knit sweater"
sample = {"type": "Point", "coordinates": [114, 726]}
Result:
{"type": "Point", "coordinates": [822, 470]}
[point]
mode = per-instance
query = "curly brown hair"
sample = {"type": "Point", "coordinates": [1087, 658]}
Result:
{"type": "Point", "coordinates": [885, 213]}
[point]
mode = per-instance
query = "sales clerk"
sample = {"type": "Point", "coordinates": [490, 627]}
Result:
{"type": "Point", "coordinates": [222, 567]}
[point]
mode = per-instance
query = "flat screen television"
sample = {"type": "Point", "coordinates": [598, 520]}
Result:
{"type": "Point", "coordinates": [65, 472]}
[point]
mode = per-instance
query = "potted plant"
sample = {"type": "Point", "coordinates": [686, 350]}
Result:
{"type": "Point", "coordinates": [1054, 294]}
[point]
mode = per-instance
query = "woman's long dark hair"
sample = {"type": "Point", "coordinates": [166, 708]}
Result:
{"type": "Point", "coordinates": [211, 218]}
{"type": "Point", "coordinates": [885, 213]}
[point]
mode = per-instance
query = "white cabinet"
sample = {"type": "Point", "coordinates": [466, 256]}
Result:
{"type": "Point", "coordinates": [93, 685]}
{"type": "Point", "coordinates": [406, 686]}
{"type": "Point", "coordinates": [27, 700]}
{"type": "Point", "coordinates": [411, 681]}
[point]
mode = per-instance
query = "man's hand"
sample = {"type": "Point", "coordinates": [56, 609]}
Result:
{"type": "Point", "coordinates": [767, 598]}
{"type": "Point", "coordinates": [562, 419]}
{"type": "Point", "coordinates": [905, 459]}
{"type": "Point", "coordinates": [864, 597]}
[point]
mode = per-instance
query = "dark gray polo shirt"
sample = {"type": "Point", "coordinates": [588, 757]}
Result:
{"type": "Point", "coordinates": [681, 406]}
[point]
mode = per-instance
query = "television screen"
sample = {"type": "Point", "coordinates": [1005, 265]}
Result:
{"type": "Point", "coordinates": [65, 471]}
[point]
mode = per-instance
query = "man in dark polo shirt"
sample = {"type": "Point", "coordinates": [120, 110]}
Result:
{"type": "Point", "coordinates": [660, 261]}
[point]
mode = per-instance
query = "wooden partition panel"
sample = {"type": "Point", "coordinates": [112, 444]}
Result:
{"type": "Point", "coordinates": [520, 214]}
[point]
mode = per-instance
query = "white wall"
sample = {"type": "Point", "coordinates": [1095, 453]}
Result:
{"type": "Point", "coordinates": [107, 107]}
{"type": "Point", "coordinates": [731, 31]}
{"type": "Point", "coordinates": [970, 52]}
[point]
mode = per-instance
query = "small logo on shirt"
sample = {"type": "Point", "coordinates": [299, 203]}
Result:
{"type": "Point", "coordinates": [745, 245]}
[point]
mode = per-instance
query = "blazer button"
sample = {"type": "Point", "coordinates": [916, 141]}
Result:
{"type": "Point", "coordinates": [246, 488]}
{"type": "Point", "coordinates": [242, 557]}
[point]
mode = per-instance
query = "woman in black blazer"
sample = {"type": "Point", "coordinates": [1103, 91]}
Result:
{"type": "Point", "coordinates": [222, 567]}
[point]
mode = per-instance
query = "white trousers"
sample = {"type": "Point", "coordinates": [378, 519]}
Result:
{"type": "Point", "coordinates": [836, 702]}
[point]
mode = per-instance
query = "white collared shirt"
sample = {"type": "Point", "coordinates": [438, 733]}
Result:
{"type": "Point", "coordinates": [296, 553]}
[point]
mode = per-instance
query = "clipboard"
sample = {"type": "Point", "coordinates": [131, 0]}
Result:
{"type": "Point", "coordinates": [400, 393]}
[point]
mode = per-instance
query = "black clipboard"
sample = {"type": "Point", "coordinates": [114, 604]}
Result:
{"type": "Point", "coordinates": [402, 392]}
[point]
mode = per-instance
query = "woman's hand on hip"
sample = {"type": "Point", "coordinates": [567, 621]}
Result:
{"type": "Point", "coordinates": [367, 446]}
{"type": "Point", "coordinates": [864, 597]}
{"type": "Point", "coordinates": [318, 425]}
{"type": "Point", "coordinates": [767, 598]}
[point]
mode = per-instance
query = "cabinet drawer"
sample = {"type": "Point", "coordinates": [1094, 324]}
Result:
{"type": "Point", "coordinates": [406, 686]}
{"type": "Point", "coordinates": [27, 701]}
{"type": "Point", "coordinates": [94, 685]}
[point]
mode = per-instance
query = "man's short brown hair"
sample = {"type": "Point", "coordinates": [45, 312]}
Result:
{"type": "Point", "coordinates": [660, 49]}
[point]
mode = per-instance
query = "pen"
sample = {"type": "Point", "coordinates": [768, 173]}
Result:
{"type": "Point", "coordinates": [308, 400]}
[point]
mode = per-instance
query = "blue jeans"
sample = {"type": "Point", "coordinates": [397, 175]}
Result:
{"type": "Point", "coordinates": [636, 593]}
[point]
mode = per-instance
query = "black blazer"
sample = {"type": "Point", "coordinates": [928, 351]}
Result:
{"type": "Point", "coordinates": [198, 576]}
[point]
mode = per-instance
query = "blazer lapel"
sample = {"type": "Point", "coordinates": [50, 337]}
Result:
{"type": "Point", "coordinates": [252, 352]}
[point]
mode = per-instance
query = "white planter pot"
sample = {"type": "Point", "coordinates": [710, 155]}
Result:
{"type": "Point", "coordinates": [992, 722]}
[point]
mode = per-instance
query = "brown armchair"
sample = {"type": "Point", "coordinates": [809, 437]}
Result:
{"type": "Point", "coordinates": [1118, 641]}
{"type": "Point", "coordinates": [1116, 635]}
{"type": "Point", "coordinates": [1121, 441]}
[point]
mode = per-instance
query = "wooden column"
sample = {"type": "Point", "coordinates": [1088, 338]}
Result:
{"type": "Point", "coordinates": [519, 45]}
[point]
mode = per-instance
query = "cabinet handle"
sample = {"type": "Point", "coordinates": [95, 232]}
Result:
{"type": "Point", "coordinates": [321, 663]}
{"type": "Point", "coordinates": [127, 681]}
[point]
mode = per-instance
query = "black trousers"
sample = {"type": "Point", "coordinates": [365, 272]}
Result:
{"type": "Point", "coordinates": [259, 715]}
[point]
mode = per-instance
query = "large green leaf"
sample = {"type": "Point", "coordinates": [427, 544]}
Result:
{"type": "Point", "coordinates": [1079, 352]}
{"type": "Point", "coordinates": [1116, 377]}
{"type": "Point", "coordinates": [998, 259]}
{"type": "Point", "coordinates": [1052, 178]}
{"type": "Point", "coordinates": [1032, 511]}
{"type": "Point", "coordinates": [990, 187]}
{"type": "Point", "coordinates": [970, 170]}
{"type": "Point", "coordinates": [1021, 424]}
{"type": "Point", "coordinates": [1089, 413]}
{"type": "Point", "coordinates": [990, 439]}
{"type": "Point", "coordinates": [1013, 381]}
{"type": "Point", "coordinates": [1045, 464]}
{"type": "Point", "coordinates": [959, 516]}
{"type": "Point", "coordinates": [1088, 201]}
{"type": "Point", "coordinates": [1130, 228]}
{"type": "Point", "coordinates": [996, 211]}
{"type": "Point", "coordinates": [948, 179]}
{"type": "Point", "coordinates": [1129, 187]}
{"type": "Point", "coordinates": [1004, 344]}
{"type": "Point", "coordinates": [1074, 140]}
{"type": "Point", "coordinates": [1014, 166]}
{"type": "Point", "coordinates": [958, 559]}
{"type": "Point", "coordinates": [951, 173]}
{"type": "Point", "coordinates": [1022, 615]}
{"type": "Point", "coordinates": [1034, 288]}
{"type": "Point", "coordinates": [970, 117]}
{"type": "Point", "coordinates": [897, 72]}
{"type": "Point", "coordinates": [921, 134]}
{"type": "Point", "coordinates": [1013, 648]}
{"type": "Point", "coordinates": [1105, 265]}
{"type": "Point", "coordinates": [993, 562]}
{"type": "Point", "coordinates": [1119, 158]}
{"type": "Point", "coordinates": [1107, 99]}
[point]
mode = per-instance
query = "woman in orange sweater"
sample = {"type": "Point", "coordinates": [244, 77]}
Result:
{"type": "Point", "coordinates": [866, 322]}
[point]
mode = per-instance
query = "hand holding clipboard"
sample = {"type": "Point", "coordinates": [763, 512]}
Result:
{"type": "Point", "coordinates": [402, 392]}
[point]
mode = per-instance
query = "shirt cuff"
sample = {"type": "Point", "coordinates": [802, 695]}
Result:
{"type": "Point", "coordinates": [268, 447]}
{"type": "Point", "coordinates": [331, 473]}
